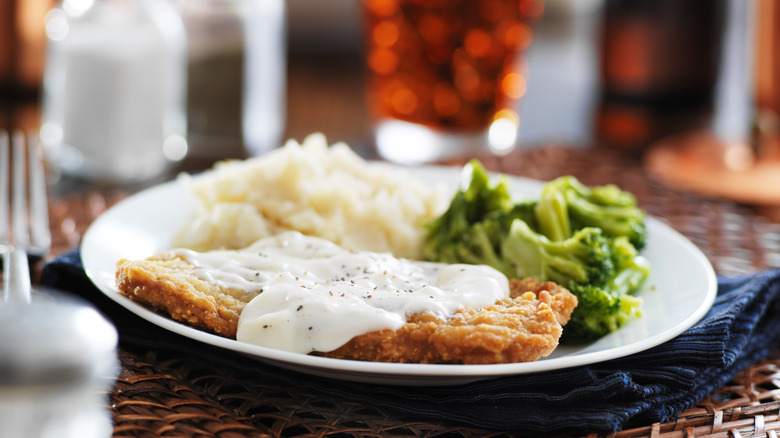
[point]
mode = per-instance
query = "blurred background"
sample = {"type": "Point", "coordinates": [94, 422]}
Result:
{"type": "Point", "coordinates": [616, 73]}
{"type": "Point", "coordinates": [562, 60]}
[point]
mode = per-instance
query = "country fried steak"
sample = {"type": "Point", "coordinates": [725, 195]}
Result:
{"type": "Point", "coordinates": [524, 327]}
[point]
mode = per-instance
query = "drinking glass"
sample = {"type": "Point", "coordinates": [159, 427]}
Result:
{"type": "Point", "coordinates": [445, 77]}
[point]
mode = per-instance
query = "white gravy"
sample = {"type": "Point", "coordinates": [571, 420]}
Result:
{"type": "Point", "coordinates": [313, 295]}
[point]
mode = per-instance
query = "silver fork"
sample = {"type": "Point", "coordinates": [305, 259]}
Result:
{"type": "Point", "coordinates": [28, 233]}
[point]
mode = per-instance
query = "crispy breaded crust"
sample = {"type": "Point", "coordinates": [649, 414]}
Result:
{"type": "Point", "coordinates": [169, 284]}
{"type": "Point", "coordinates": [522, 328]}
{"type": "Point", "coordinates": [562, 301]}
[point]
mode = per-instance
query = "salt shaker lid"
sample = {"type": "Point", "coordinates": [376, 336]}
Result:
{"type": "Point", "coordinates": [58, 339]}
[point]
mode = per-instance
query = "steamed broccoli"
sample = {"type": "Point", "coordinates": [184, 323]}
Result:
{"type": "Point", "coordinates": [552, 211]}
{"type": "Point", "coordinates": [599, 312]}
{"type": "Point", "coordinates": [476, 222]}
{"type": "Point", "coordinates": [584, 258]}
{"type": "Point", "coordinates": [582, 238]}
{"type": "Point", "coordinates": [631, 269]}
{"type": "Point", "coordinates": [605, 308]}
{"type": "Point", "coordinates": [601, 271]}
{"type": "Point", "coordinates": [566, 203]}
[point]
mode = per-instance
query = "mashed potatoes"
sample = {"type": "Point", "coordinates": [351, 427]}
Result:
{"type": "Point", "coordinates": [322, 191]}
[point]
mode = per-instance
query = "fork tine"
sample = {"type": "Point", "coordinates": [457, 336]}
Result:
{"type": "Point", "coordinates": [4, 156]}
{"type": "Point", "coordinates": [39, 209]}
{"type": "Point", "coordinates": [19, 195]}
{"type": "Point", "coordinates": [16, 270]}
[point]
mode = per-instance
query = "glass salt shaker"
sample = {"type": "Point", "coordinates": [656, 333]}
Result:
{"type": "Point", "coordinates": [236, 76]}
{"type": "Point", "coordinates": [113, 89]}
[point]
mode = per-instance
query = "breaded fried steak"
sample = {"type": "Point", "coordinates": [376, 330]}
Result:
{"type": "Point", "coordinates": [170, 285]}
{"type": "Point", "coordinates": [212, 290]}
{"type": "Point", "coordinates": [520, 329]}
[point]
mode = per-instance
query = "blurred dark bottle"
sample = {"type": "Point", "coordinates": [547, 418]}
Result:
{"type": "Point", "coordinates": [767, 80]}
{"type": "Point", "coordinates": [22, 45]}
{"type": "Point", "coordinates": [659, 68]}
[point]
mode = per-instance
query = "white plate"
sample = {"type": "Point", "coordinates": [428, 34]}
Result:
{"type": "Point", "coordinates": [678, 293]}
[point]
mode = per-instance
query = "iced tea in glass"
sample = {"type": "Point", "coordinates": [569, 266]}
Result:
{"type": "Point", "coordinates": [445, 76]}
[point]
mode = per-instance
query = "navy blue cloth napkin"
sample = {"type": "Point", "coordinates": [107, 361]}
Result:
{"type": "Point", "coordinates": [742, 327]}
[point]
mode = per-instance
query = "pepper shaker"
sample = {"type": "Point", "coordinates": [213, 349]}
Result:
{"type": "Point", "coordinates": [236, 76]}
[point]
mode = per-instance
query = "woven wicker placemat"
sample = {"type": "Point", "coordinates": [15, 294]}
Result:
{"type": "Point", "coordinates": [159, 394]}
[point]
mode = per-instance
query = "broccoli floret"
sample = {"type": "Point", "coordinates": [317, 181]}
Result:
{"type": "Point", "coordinates": [476, 222]}
{"type": "Point", "coordinates": [631, 269]}
{"type": "Point", "coordinates": [523, 210]}
{"type": "Point", "coordinates": [585, 257]}
{"type": "Point", "coordinates": [567, 204]}
{"type": "Point", "coordinates": [552, 214]}
{"type": "Point", "coordinates": [601, 271]}
{"type": "Point", "coordinates": [602, 309]}
{"type": "Point", "coordinates": [478, 196]}
{"type": "Point", "coordinates": [479, 245]}
{"type": "Point", "coordinates": [475, 199]}
{"type": "Point", "coordinates": [599, 312]}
